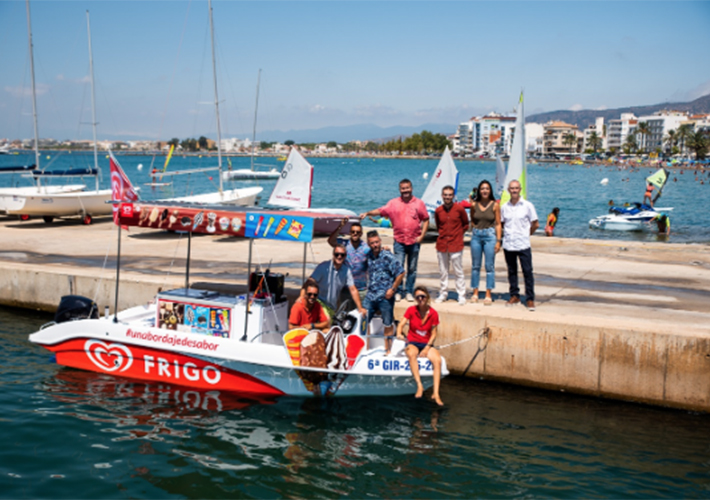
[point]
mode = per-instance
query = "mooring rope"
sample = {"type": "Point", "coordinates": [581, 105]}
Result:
{"type": "Point", "coordinates": [484, 332]}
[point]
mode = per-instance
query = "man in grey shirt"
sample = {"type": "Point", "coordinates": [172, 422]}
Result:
{"type": "Point", "coordinates": [334, 275]}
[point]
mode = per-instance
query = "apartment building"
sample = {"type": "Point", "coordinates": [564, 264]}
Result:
{"type": "Point", "coordinates": [554, 139]}
{"type": "Point", "coordinates": [598, 128]}
{"type": "Point", "coordinates": [490, 135]}
{"type": "Point", "coordinates": [659, 124]}
{"type": "Point", "coordinates": [618, 130]}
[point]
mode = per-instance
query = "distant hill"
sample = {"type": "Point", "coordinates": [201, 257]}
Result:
{"type": "Point", "coordinates": [585, 117]}
{"type": "Point", "coordinates": [363, 132]}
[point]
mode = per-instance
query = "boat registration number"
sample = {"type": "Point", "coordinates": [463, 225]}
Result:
{"type": "Point", "coordinates": [396, 365]}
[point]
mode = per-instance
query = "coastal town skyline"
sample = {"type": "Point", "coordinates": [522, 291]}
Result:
{"type": "Point", "coordinates": [321, 65]}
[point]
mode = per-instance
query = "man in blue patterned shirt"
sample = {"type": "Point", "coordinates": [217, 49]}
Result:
{"type": "Point", "coordinates": [384, 275]}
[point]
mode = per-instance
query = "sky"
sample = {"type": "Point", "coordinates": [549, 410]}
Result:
{"type": "Point", "coordinates": [338, 63]}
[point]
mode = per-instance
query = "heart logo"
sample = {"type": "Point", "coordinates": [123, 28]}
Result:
{"type": "Point", "coordinates": [109, 357]}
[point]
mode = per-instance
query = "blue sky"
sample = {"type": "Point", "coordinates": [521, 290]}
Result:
{"type": "Point", "coordinates": [339, 63]}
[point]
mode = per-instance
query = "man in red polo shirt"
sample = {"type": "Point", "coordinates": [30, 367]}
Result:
{"type": "Point", "coordinates": [451, 222]}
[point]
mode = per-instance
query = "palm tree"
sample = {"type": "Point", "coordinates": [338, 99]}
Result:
{"type": "Point", "coordinates": [683, 134]}
{"type": "Point", "coordinates": [670, 139]}
{"type": "Point", "coordinates": [699, 143]}
{"type": "Point", "coordinates": [570, 140]}
{"type": "Point", "coordinates": [643, 130]}
{"type": "Point", "coordinates": [630, 145]}
{"type": "Point", "coordinates": [595, 141]}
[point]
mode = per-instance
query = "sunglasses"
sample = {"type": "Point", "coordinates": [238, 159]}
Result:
{"type": "Point", "coordinates": [355, 233]}
{"type": "Point", "coordinates": [311, 295]}
{"type": "Point", "coordinates": [420, 297]}
{"type": "Point", "coordinates": [339, 254]}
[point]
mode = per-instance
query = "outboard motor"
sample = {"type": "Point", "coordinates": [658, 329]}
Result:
{"type": "Point", "coordinates": [73, 307]}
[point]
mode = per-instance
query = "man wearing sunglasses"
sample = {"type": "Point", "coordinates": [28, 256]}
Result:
{"type": "Point", "coordinates": [332, 277]}
{"type": "Point", "coordinates": [308, 313]}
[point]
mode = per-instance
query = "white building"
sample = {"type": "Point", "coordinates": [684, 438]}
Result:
{"type": "Point", "coordinates": [618, 130]}
{"type": "Point", "coordinates": [533, 138]}
{"type": "Point", "coordinates": [234, 145]}
{"type": "Point", "coordinates": [598, 128]}
{"type": "Point", "coordinates": [659, 124]}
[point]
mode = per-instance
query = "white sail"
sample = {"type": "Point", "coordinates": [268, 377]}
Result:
{"type": "Point", "coordinates": [445, 174]}
{"type": "Point", "coordinates": [517, 167]}
{"type": "Point", "coordinates": [500, 177]}
{"type": "Point", "coordinates": [293, 189]}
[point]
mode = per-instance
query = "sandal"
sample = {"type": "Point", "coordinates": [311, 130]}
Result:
{"type": "Point", "coordinates": [474, 299]}
{"type": "Point", "coordinates": [487, 301]}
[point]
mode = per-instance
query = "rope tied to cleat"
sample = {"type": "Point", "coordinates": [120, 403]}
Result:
{"type": "Point", "coordinates": [483, 332]}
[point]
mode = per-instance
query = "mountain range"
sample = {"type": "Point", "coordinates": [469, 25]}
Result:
{"type": "Point", "coordinates": [585, 117]}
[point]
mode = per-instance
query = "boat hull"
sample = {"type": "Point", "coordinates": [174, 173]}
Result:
{"type": "Point", "coordinates": [243, 197]}
{"type": "Point", "coordinates": [136, 351]}
{"type": "Point", "coordinates": [7, 194]}
{"type": "Point", "coordinates": [62, 204]}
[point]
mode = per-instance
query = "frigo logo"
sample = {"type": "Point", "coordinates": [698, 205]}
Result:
{"type": "Point", "coordinates": [109, 357]}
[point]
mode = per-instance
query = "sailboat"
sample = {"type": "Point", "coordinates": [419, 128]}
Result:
{"type": "Point", "coordinates": [293, 191]}
{"type": "Point", "coordinates": [445, 174]}
{"type": "Point", "coordinates": [250, 173]}
{"type": "Point", "coordinates": [517, 165]}
{"type": "Point", "coordinates": [60, 203]}
{"type": "Point", "coordinates": [242, 196]}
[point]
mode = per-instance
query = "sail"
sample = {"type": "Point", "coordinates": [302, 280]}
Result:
{"type": "Point", "coordinates": [293, 189]}
{"type": "Point", "coordinates": [444, 175]}
{"type": "Point", "coordinates": [658, 179]}
{"type": "Point", "coordinates": [500, 177]}
{"type": "Point", "coordinates": [517, 168]}
{"type": "Point", "coordinates": [121, 187]}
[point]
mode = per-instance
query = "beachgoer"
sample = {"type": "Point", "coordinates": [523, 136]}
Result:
{"type": "Point", "coordinates": [332, 277]}
{"type": "Point", "coordinates": [552, 222]}
{"type": "Point", "coordinates": [519, 220]}
{"type": "Point", "coordinates": [649, 195]}
{"type": "Point", "coordinates": [451, 223]}
{"type": "Point", "coordinates": [423, 321]}
{"type": "Point", "coordinates": [663, 223]}
{"type": "Point", "coordinates": [381, 221]}
{"type": "Point", "coordinates": [410, 221]}
{"type": "Point", "coordinates": [384, 274]}
{"type": "Point", "coordinates": [308, 313]}
{"type": "Point", "coordinates": [357, 253]}
{"type": "Point", "coordinates": [485, 239]}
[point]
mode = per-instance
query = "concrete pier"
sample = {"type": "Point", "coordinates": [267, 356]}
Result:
{"type": "Point", "coordinates": [616, 319]}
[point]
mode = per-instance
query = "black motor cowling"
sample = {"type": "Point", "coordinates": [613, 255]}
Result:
{"type": "Point", "coordinates": [73, 307]}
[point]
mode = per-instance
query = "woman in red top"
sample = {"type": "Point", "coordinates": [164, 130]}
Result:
{"type": "Point", "coordinates": [422, 320]}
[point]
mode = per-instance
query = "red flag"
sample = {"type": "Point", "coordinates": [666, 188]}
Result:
{"type": "Point", "coordinates": [121, 187]}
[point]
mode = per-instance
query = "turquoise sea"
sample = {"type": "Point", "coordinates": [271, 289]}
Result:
{"type": "Point", "coordinates": [365, 183]}
{"type": "Point", "coordinates": [72, 434]}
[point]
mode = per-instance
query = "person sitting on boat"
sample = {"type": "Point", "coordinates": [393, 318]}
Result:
{"type": "Point", "coordinates": [552, 222]}
{"type": "Point", "coordinates": [308, 313]}
{"type": "Point", "coordinates": [357, 253]}
{"type": "Point", "coordinates": [332, 277]}
{"type": "Point", "coordinates": [384, 274]}
{"type": "Point", "coordinates": [649, 195]}
{"type": "Point", "coordinates": [423, 321]}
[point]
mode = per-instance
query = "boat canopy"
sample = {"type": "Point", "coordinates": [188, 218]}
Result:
{"type": "Point", "coordinates": [21, 168]}
{"type": "Point", "coordinates": [72, 172]}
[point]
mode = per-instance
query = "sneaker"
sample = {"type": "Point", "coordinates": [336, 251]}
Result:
{"type": "Point", "coordinates": [410, 297]}
{"type": "Point", "coordinates": [531, 305]}
{"type": "Point", "coordinates": [513, 301]}
{"type": "Point", "coordinates": [397, 297]}
{"type": "Point", "coordinates": [440, 299]}
{"type": "Point", "coordinates": [462, 301]}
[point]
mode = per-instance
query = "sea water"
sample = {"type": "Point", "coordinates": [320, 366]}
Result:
{"type": "Point", "coordinates": [72, 434]}
{"type": "Point", "coordinates": [361, 184]}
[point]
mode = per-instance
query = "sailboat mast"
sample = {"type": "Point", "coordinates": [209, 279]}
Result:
{"type": "Point", "coordinates": [256, 110]}
{"type": "Point", "coordinates": [93, 100]}
{"type": "Point", "coordinates": [216, 103]}
{"type": "Point", "coordinates": [34, 89]}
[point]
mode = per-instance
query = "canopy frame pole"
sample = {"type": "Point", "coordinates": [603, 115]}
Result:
{"type": "Point", "coordinates": [187, 263]}
{"type": "Point", "coordinates": [118, 275]}
{"type": "Point", "coordinates": [246, 308]}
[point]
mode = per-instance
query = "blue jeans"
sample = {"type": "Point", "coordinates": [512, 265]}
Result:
{"type": "Point", "coordinates": [385, 306]}
{"type": "Point", "coordinates": [411, 253]}
{"type": "Point", "coordinates": [483, 241]}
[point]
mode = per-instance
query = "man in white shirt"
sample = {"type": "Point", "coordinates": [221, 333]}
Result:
{"type": "Point", "coordinates": [519, 220]}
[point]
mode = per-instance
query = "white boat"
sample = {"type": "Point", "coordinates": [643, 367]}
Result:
{"type": "Point", "coordinates": [446, 174]}
{"type": "Point", "coordinates": [212, 341]}
{"type": "Point", "coordinates": [239, 197]}
{"type": "Point", "coordinates": [293, 191]}
{"type": "Point", "coordinates": [637, 216]}
{"type": "Point", "coordinates": [67, 201]}
{"type": "Point", "coordinates": [517, 164]}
